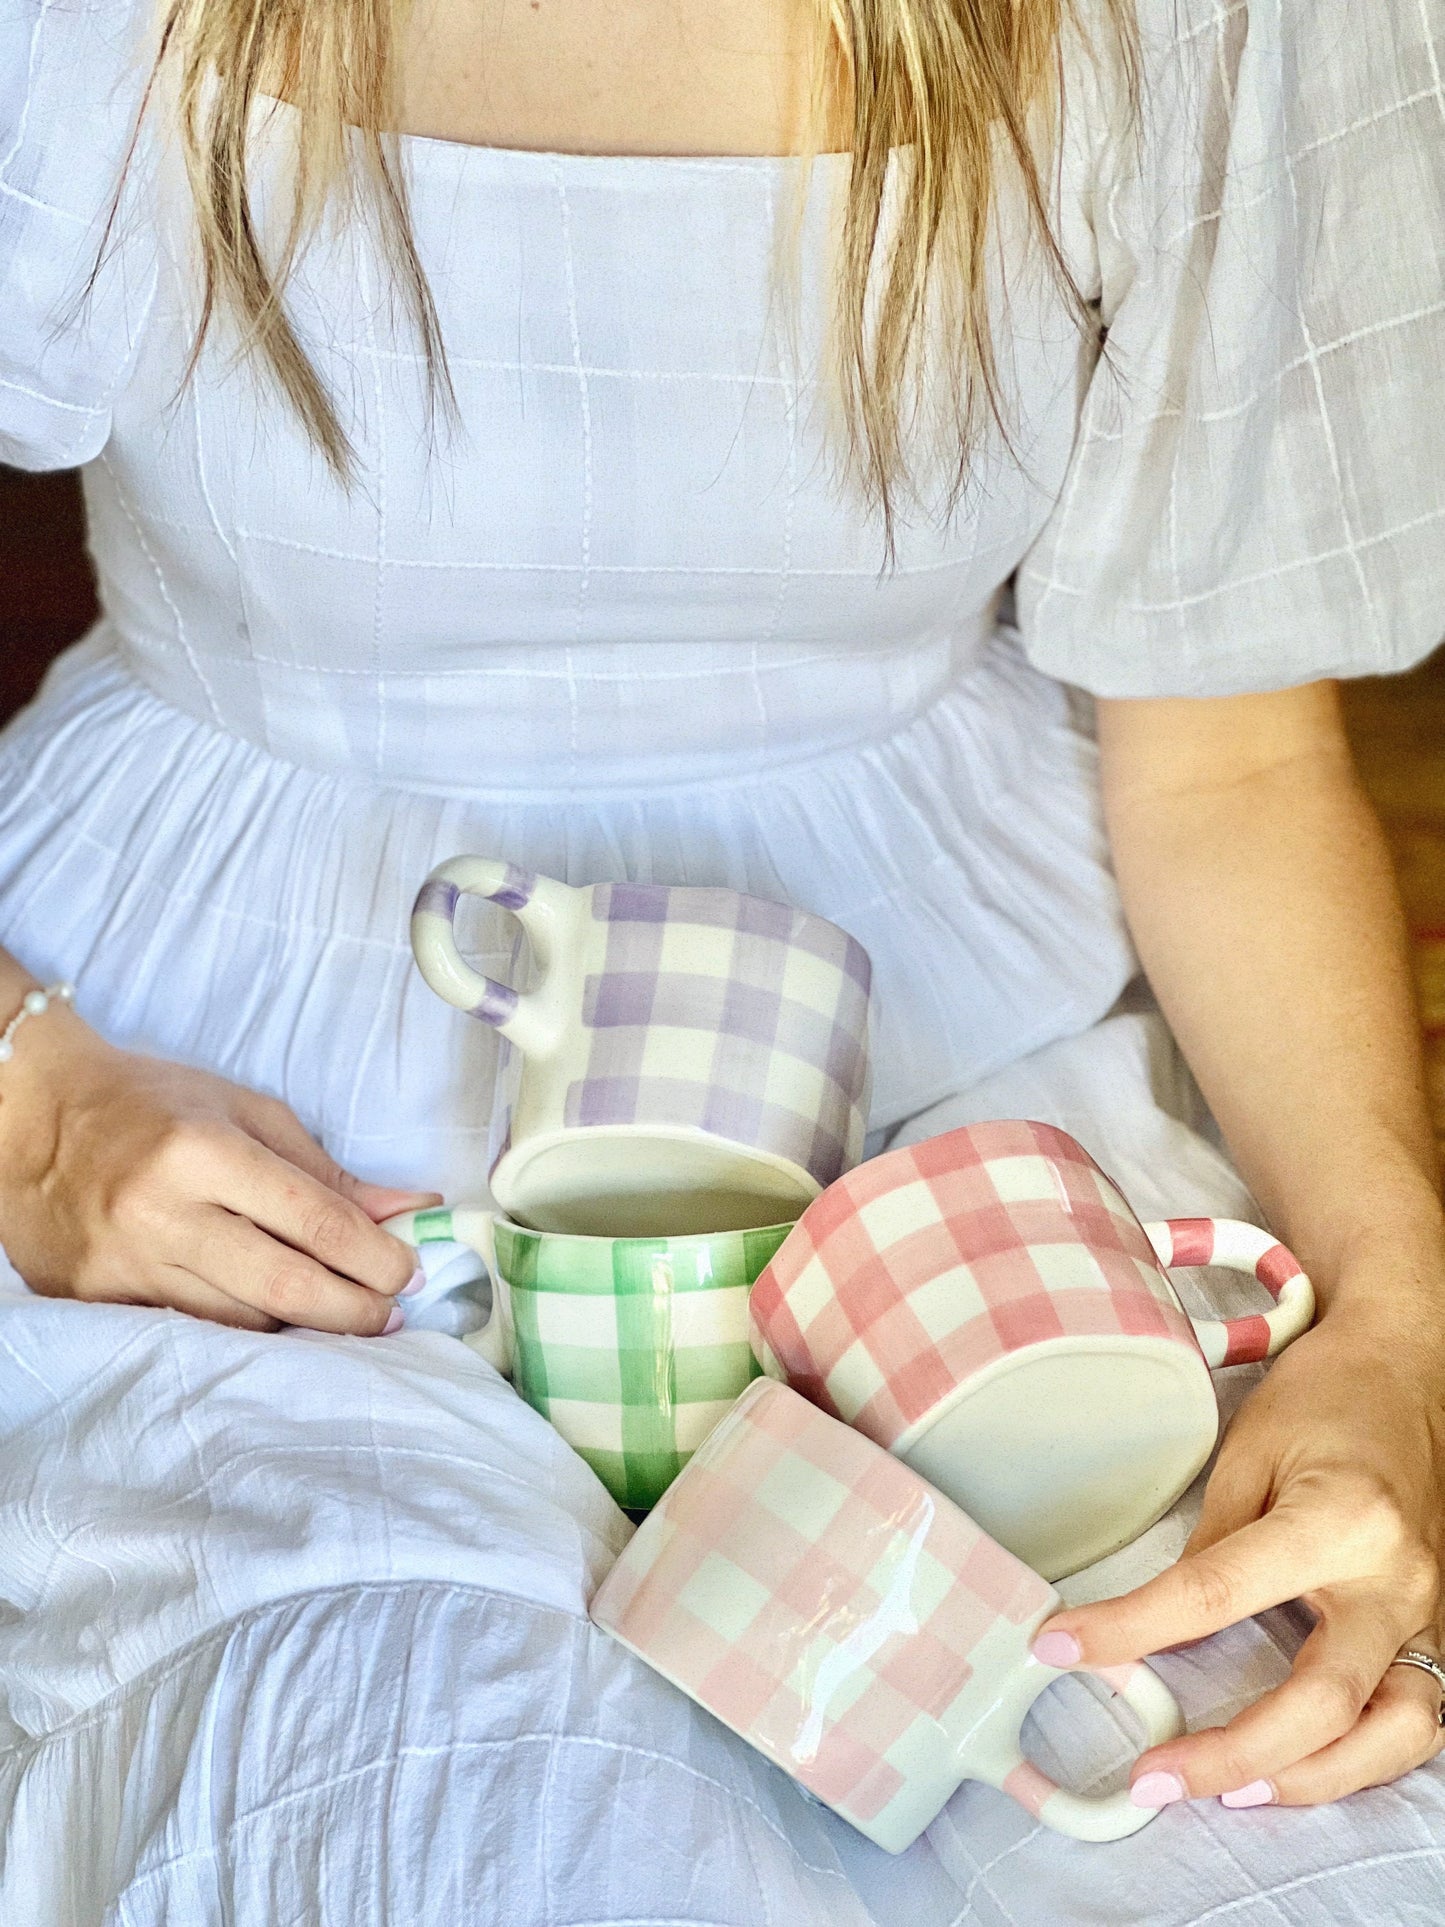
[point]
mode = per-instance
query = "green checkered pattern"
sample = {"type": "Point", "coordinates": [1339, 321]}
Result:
{"type": "Point", "coordinates": [634, 1348]}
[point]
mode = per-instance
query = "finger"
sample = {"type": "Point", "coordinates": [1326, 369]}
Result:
{"type": "Point", "coordinates": [1398, 1731]}
{"type": "Point", "coordinates": [1335, 1672]}
{"type": "Point", "coordinates": [235, 1256]}
{"type": "Point", "coordinates": [381, 1201]}
{"type": "Point", "coordinates": [1232, 1499]}
{"type": "Point", "coordinates": [278, 1127]}
{"type": "Point", "coordinates": [1261, 1565]}
{"type": "Point", "coordinates": [184, 1291]}
{"type": "Point", "coordinates": [308, 1214]}
{"type": "Point", "coordinates": [171, 1287]}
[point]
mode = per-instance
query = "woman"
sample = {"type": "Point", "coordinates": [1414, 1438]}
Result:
{"type": "Point", "coordinates": [490, 505]}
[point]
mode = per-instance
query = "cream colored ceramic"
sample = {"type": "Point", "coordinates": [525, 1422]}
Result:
{"type": "Point", "coordinates": [854, 1625]}
{"type": "Point", "coordinates": [633, 1348]}
{"type": "Point", "coordinates": [691, 1060]}
{"type": "Point", "coordinates": [987, 1306]}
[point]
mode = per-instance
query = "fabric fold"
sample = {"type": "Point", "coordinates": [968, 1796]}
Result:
{"type": "Point", "coordinates": [220, 905]}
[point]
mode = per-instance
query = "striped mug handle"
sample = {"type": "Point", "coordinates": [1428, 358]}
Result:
{"type": "Point", "coordinates": [544, 909]}
{"type": "Point", "coordinates": [1096, 1816]}
{"type": "Point", "coordinates": [1234, 1246]}
{"type": "Point", "coordinates": [463, 1225]}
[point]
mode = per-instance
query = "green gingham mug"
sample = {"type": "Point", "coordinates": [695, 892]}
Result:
{"type": "Point", "coordinates": [633, 1348]}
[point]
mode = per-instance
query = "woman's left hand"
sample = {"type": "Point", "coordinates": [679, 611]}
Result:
{"type": "Point", "coordinates": [1330, 1488]}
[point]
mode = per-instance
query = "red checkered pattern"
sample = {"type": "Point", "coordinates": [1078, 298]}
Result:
{"type": "Point", "coordinates": [916, 1270]}
{"type": "Point", "coordinates": [1208, 1241]}
{"type": "Point", "coordinates": [816, 1596]}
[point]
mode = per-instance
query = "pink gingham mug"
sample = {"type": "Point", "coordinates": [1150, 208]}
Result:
{"type": "Point", "coordinates": [690, 1060]}
{"type": "Point", "coordinates": [987, 1306]}
{"type": "Point", "coordinates": [853, 1625]}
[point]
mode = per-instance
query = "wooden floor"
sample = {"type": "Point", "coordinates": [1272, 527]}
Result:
{"type": "Point", "coordinates": [46, 599]}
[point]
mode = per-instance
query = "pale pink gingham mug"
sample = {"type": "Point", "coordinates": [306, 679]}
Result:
{"type": "Point", "coordinates": [987, 1306]}
{"type": "Point", "coordinates": [853, 1625]}
{"type": "Point", "coordinates": [689, 1060]}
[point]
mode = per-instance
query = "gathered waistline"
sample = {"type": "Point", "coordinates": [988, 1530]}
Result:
{"type": "Point", "coordinates": [995, 653]}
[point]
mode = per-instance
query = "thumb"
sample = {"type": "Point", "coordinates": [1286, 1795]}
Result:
{"type": "Point", "coordinates": [1194, 1597]}
{"type": "Point", "coordinates": [380, 1201]}
{"type": "Point", "coordinates": [1238, 1492]}
{"type": "Point", "coordinates": [277, 1126]}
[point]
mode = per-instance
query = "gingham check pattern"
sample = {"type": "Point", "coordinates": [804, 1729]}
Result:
{"type": "Point", "coordinates": [634, 1348]}
{"type": "Point", "coordinates": [744, 1018]}
{"type": "Point", "coordinates": [922, 1266]}
{"type": "Point", "coordinates": [820, 1599]}
{"type": "Point", "coordinates": [1192, 1241]}
{"type": "Point", "coordinates": [438, 898]}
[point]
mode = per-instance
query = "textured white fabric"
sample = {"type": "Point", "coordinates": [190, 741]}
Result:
{"type": "Point", "coordinates": [292, 1629]}
{"type": "Point", "coordinates": [294, 1633]}
{"type": "Point", "coordinates": [1259, 499]}
{"type": "Point", "coordinates": [1254, 497]}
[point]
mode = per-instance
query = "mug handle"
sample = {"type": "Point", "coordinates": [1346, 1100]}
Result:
{"type": "Point", "coordinates": [443, 1225]}
{"type": "Point", "coordinates": [538, 903]}
{"type": "Point", "coordinates": [1239, 1247]}
{"type": "Point", "coordinates": [1100, 1816]}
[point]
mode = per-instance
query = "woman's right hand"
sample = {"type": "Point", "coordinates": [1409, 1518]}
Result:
{"type": "Point", "coordinates": [135, 1181]}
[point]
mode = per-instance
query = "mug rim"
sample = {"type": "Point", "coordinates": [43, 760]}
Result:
{"type": "Point", "coordinates": [501, 1220]}
{"type": "Point", "coordinates": [533, 1144]}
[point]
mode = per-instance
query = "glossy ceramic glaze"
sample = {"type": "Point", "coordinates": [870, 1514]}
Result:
{"type": "Point", "coordinates": [633, 1348]}
{"type": "Point", "coordinates": [853, 1624]}
{"type": "Point", "coordinates": [691, 1059]}
{"type": "Point", "coordinates": [987, 1306]}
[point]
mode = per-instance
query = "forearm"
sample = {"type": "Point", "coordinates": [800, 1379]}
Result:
{"type": "Point", "coordinates": [1262, 901]}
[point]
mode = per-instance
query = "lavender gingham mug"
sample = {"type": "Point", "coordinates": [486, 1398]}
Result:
{"type": "Point", "coordinates": [690, 1060]}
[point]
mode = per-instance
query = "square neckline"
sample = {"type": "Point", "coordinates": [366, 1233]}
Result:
{"type": "Point", "coordinates": [443, 146]}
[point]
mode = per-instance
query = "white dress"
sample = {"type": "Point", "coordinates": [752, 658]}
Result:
{"type": "Point", "coordinates": [293, 1627]}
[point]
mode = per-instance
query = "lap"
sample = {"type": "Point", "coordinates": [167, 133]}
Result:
{"type": "Point", "coordinates": [401, 1753]}
{"type": "Point", "coordinates": [1124, 1092]}
{"type": "Point", "coordinates": [302, 1615]}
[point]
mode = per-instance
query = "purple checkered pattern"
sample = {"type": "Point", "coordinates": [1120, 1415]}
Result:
{"type": "Point", "coordinates": [767, 1043]}
{"type": "Point", "coordinates": [439, 898]}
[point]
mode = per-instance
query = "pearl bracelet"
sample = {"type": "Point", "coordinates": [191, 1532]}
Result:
{"type": "Point", "coordinates": [35, 1004]}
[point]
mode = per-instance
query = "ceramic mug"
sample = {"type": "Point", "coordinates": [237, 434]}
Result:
{"type": "Point", "coordinates": [633, 1348]}
{"type": "Point", "coordinates": [987, 1306]}
{"type": "Point", "coordinates": [853, 1625]}
{"type": "Point", "coordinates": [690, 1059]}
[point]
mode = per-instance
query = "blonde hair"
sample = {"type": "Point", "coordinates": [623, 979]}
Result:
{"type": "Point", "coordinates": [969, 90]}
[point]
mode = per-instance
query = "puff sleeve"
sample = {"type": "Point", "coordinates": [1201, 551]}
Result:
{"type": "Point", "coordinates": [1256, 496]}
{"type": "Point", "coordinates": [72, 76]}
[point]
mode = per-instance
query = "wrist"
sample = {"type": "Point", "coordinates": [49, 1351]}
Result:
{"type": "Point", "coordinates": [1392, 1291]}
{"type": "Point", "coordinates": [1380, 1241]}
{"type": "Point", "coordinates": [46, 1051]}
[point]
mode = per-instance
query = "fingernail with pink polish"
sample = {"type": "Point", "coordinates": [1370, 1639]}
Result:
{"type": "Point", "coordinates": [1259, 1793]}
{"type": "Point", "coordinates": [394, 1321]}
{"type": "Point", "coordinates": [414, 1284]}
{"type": "Point", "coordinates": [1155, 1790]}
{"type": "Point", "coordinates": [1057, 1649]}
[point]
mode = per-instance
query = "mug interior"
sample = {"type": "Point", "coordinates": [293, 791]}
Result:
{"type": "Point", "coordinates": [647, 1181]}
